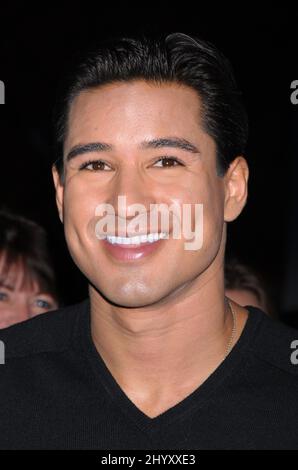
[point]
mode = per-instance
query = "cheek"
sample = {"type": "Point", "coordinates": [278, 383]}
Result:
{"type": "Point", "coordinates": [213, 209]}
{"type": "Point", "coordinates": [79, 210]}
{"type": "Point", "coordinates": [207, 217]}
{"type": "Point", "coordinates": [5, 307]}
{"type": "Point", "coordinates": [205, 192]}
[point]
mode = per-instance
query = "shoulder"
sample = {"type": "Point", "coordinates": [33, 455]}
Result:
{"type": "Point", "coordinates": [274, 343]}
{"type": "Point", "coordinates": [51, 331]}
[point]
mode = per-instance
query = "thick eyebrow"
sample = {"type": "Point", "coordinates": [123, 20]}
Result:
{"type": "Point", "coordinates": [174, 142]}
{"type": "Point", "coordinates": [86, 148]}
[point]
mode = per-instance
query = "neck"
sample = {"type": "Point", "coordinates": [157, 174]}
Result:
{"type": "Point", "coordinates": [169, 347]}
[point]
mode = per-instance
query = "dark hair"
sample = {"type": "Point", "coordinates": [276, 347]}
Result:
{"type": "Point", "coordinates": [176, 58]}
{"type": "Point", "coordinates": [24, 243]}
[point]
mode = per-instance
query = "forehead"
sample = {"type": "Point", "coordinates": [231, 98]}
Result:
{"type": "Point", "coordinates": [133, 109]}
{"type": "Point", "coordinates": [15, 276]}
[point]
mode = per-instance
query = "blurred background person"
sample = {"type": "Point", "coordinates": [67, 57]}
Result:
{"type": "Point", "coordinates": [246, 287]}
{"type": "Point", "coordinates": [27, 279]}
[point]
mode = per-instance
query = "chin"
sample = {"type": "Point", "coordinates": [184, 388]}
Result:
{"type": "Point", "coordinates": [136, 296]}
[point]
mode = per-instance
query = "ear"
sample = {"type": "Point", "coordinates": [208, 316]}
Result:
{"type": "Point", "coordinates": [236, 179]}
{"type": "Point", "coordinates": [59, 186]}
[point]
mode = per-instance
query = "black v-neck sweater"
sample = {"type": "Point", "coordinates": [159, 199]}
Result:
{"type": "Point", "coordinates": [57, 393]}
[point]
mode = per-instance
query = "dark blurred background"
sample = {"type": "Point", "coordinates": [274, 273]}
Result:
{"type": "Point", "coordinates": [262, 44]}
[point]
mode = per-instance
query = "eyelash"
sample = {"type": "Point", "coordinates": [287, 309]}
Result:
{"type": "Point", "coordinates": [90, 162]}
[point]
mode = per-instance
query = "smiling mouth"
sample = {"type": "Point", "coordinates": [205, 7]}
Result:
{"type": "Point", "coordinates": [129, 249]}
{"type": "Point", "coordinates": [135, 241]}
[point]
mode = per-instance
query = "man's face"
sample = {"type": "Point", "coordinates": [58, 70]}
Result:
{"type": "Point", "coordinates": [124, 116]}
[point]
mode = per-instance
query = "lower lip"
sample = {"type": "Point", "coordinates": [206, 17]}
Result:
{"type": "Point", "coordinates": [131, 252]}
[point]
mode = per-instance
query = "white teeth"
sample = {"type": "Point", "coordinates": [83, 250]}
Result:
{"type": "Point", "coordinates": [151, 237]}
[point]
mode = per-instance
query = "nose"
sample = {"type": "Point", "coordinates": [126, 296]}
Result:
{"type": "Point", "coordinates": [23, 311]}
{"type": "Point", "coordinates": [134, 188]}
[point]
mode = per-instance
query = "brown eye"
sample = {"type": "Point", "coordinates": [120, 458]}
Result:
{"type": "Point", "coordinates": [167, 162]}
{"type": "Point", "coordinates": [96, 165]}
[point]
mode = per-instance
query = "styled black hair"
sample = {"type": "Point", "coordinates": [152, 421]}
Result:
{"type": "Point", "coordinates": [176, 58]}
{"type": "Point", "coordinates": [24, 243]}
